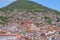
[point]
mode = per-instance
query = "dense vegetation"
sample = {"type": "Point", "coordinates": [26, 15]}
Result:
{"type": "Point", "coordinates": [48, 19]}
{"type": "Point", "coordinates": [3, 20]}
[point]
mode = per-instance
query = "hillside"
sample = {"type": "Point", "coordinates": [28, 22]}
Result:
{"type": "Point", "coordinates": [27, 20]}
{"type": "Point", "coordinates": [35, 9]}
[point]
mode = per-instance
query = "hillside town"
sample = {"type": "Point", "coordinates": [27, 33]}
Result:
{"type": "Point", "coordinates": [28, 26]}
{"type": "Point", "coordinates": [29, 31]}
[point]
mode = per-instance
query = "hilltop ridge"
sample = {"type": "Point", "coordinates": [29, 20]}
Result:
{"type": "Point", "coordinates": [27, 5]}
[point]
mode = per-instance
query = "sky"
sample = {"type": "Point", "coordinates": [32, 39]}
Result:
{"type": "Point", "coordinates": [54, 4]}
{"type": "Point", "coordinates": [4, 3]}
